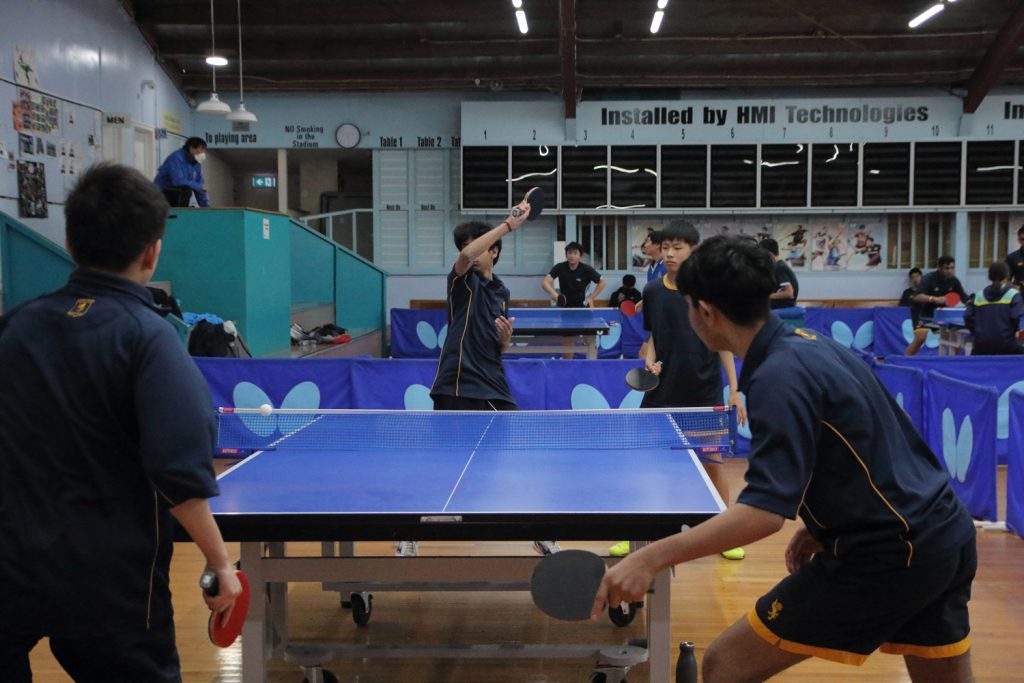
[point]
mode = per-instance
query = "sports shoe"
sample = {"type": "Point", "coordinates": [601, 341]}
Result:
{"type": "Point", "coordinates": [620, 549]}
{"type": "Point", "coordinates": [407, 549]}
{"type": "Point", "coordinates": [734, 554]}
{"type": "Point", "coordinates": [547, 547]}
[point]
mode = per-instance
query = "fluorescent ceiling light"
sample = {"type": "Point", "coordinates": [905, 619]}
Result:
{"type": "Point", "coordinates": [662, 4]}
{"type": "Point", "coordinates": [874, 171]}
{"type": "Point", "coordinates": [834, 156]}
{"type": "Point", "coordinates": [989, 169]}
{"type": "Point", "coordinates": [612, 206]}
{"type": "Point", "coordinates": [242, 115]}
{"type": "Point", "coordinates": [518, 4]}
{"type": "Point", "coordinates": [926, 15]}
{"type": "Point", "coordinates": [214, 60]}
{"type": "Point", "coordinates": [773, 164]}
{"type": "Point", "coordinates": [532, 175]}
{"type": "Point", "coordinates": [521, 18]}
{"type": "Point", "coordinates": [656, 22]}
{"type": "Point", "coordinates": [213, 106]}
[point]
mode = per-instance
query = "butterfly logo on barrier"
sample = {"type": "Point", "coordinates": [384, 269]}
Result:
{"type": "Point", "coordinates": [303, 395]}
{"type": "Point", "coordinates": [417, 397]}
{"type": "Point", "coordinates": [611, 338]}
{"type": "Point", "coordinates": [742, 430]}
{"type": "Point", "coordinates": [862, 339]}
{"type": "Point", "coordinates": [932, 341]}
{"type": "Point", "coordinates": [899, 400]}
{"type": "Point", "coordinates": [586, 397]}
{"type": "Point", "coordinates": [1003, 411]}
{"type": "Point", "coordinates": [957, 448]}
{"type": "Point", "coordinates": [429, 337]}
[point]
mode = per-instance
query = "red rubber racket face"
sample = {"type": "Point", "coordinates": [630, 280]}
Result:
{"type": "Point", "coordinates": [952, 299]}
{"type": "Point", "coordinates": [225, 627]}
{"type": "Point", "coordinates": [628, 309]}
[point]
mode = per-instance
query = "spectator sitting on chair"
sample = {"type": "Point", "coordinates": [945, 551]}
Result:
{"type": "Point", "coordinates": [1015, 260]}
{"type": "Point", "coordinates": [182, 171]}
{"type": "Point", "coordinates": [789, 288]}
{"type": "Point", "coordinates": [994, 314]}
{"type": "Point", "coordinates": [934, 287]}
{"type": "Point", "coordinates": [907, 298]}
{"type": "Point", "coordinates": [573, 277]}
{"type": "Point", "coordinates": [627, 292]}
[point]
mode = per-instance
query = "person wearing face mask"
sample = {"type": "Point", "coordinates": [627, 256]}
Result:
{"type": "Point", "coordinates": [181, 174]}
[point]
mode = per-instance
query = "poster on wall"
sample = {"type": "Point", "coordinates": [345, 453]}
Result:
{"type": "Point", "coordinates": [36, 113]}
{"type": "Point", "coordinates": [25, 67]}
{"type": "Point", "coordinates": [792, 239]}
{"type": "Point", "coordinates": [866, 246]}
{"type": "Point", "coordinates": [32, 190]}
{"type": "Point", "coordinates": [639, 228]}
{"type": "Point", "coordinates": [754, 228]}
{"type": "Point", "coordinates": [828, 245]}
{"type": "Point", "coordinates": [26, 145]}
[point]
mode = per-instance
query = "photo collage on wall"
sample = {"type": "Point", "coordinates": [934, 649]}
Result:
{"type": "Point", "coordinates": [32, 190]}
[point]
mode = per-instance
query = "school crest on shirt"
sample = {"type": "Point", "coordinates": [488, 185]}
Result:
{"type": "Point", "coordinates": [775, 610]}
{"type": "Point", "coordinates": [81, 307]}
{"type": "Point", "coordinates": [805, 334]}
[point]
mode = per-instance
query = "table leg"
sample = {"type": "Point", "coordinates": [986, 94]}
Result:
{"type": "Point", "coordinates": [591, 347]}
{"type": "Point", "coordinates": [254, 644]}
{"type": "Point", "coordinates": [659, 627]}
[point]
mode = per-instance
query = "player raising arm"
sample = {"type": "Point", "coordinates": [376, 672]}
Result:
{"type": "Point", "coordinates": [885, 555]}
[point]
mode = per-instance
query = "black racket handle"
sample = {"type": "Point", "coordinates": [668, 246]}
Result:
{"type": "Point", "coordinates": [209, 583]}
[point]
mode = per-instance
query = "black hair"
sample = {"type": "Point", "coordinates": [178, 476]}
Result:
{"type": "Point", "coordinates": [574, 245]}
{"type": "Point", "coordinates": [628, 280]}
{"type": "Point", "coordinates": [111, 215]}
{"type": "Point", "coordinates": [770, 245]}
{"type": "Point", "coordinates": [914, 270]}
{"type": "Point", "coordinates": [944, 260]}
{"type": "Point", "coordinates": [998, 271]}
{"type": "Point", "coordinates": [1020, 231]}
{"type": "Point", "coordinates": [470, 230]}
{"type": "Point", "coordinates": [193, 143]}
{"type": "Point", "coordinates": [654, 236]}
{"type": "Point", "coordinates": [679, 230]}
{"type": "Point", "coordinates": [733, 274]}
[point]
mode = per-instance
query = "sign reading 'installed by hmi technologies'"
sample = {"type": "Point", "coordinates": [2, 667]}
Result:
{"type": "Point", "coordinates": [744, 120]}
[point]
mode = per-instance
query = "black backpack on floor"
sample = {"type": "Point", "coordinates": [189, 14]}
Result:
{"type": "Point", "coordinates": [216, 340]}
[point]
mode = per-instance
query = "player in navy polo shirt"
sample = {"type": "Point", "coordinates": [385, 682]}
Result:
{"type": "Point", "coordinates": [884, 556]}
{"type": "Point", "coordinates": [931, 294]}
{"type": "Point", "coordinates": [1015, 260]}
{"type": "Point", "coordinates": [106, 433]}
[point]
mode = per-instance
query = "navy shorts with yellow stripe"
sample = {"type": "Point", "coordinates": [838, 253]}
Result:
{"type": "Point", "coordinates": [835, 611]}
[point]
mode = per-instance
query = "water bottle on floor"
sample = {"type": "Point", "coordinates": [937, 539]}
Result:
{"type": "Point", "coordinates": [686, 667]}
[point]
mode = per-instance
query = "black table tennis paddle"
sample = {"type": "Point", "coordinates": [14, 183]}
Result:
{"type": "Point", "coordinates": [562, 301]}
{"type": "Point", "coordinates": [535, 198]}
{"type": "Point", "coordinates": [642, 379]}
{"type": "Point", "coordinates": [564, 584]}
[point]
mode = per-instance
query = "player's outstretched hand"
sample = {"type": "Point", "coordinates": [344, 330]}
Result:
{"type": "Point", "coordinates": [229, 588]}
{"type": "Point", "coordinates": [504, 326]}
{"type": "Point", "coordinates": [654, 368]}
{"type": "Point", "coordinates": [736, 401]}
{"type": "Point", "coordinates": [800, 549]}
{"type": "Point", "coordinates": [628, 581]}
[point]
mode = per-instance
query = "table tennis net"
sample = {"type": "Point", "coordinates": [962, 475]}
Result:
{"type": "Point", "coordinates": [705, 430]}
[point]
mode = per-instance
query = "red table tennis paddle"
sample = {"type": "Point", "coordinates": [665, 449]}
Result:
{"type": "Point", "coordinates": [952, 299]}
{"type": "Point", "coordinates": [224, 627]}
{"type": "Point", "coordinates": [564, 584]}
{"type": "Point", "coordinates": [628, 308]}
{"type": "Point", "coordinates": [535, 198]}
{"type": "Point", "coordinates": [642, 379]}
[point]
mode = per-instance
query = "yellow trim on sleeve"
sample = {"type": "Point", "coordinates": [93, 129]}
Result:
{"type": "Point", "coordinates": [928, 651]}
{"type": "Point", "coordinates": [840, 656]}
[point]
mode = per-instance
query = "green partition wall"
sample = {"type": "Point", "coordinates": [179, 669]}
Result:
{"type": "Point", "coordinates": [32, 265]}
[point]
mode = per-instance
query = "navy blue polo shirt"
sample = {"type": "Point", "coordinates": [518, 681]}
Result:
{"type": "Point", "coordinates": [691, 374]}
{"type": "Point", "coordinates": [470, 363]}
{"type": "Point", "coordinates": [784, 275]}
{"type": "Point", "coordinates": [105, 423]}
{"type": "Point", "coordinates": [832, 445]}
{"type": "Point", "coordinates": [933, 284]}
{"type": "Point", "coordinates": [1015, 260]}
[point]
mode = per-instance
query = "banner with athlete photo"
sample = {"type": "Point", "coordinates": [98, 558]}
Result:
{"type": "Point", "coordinates": [866, 246]}
{"type": "Point", "coordinates": [754, 228]}
{"type": "Point", "coordinates": [828, 245]}
{"type": "Point", "coordinates": [639, 228]}
{"type": "Point", "coordinates": [792, 239]}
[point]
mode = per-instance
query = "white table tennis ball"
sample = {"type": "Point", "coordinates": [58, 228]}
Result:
{"type": "Point", "coordinates": [266, 409]}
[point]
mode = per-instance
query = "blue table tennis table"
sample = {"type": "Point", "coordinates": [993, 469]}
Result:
{"type": "Point", "coordinates": [348, 476]}
{"type": "Point", "coordinates": [577, 328]}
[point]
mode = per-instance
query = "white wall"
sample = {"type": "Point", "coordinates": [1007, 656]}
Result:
{"type": "Point", "coordinates": [90, 56]}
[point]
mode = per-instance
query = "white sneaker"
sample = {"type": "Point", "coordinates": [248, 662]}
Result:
{"type": "Point", "coordinates": [547, 547]}
{"type": "Point", "coordinates": [407, 549]}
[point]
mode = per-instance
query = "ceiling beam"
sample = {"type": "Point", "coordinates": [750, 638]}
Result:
{"type": "Point", "coordinates": [298, 51]}
{"type": "Point", "coordinates": [492, 79]}
{"type": "Point", "coordinates": [995, 60]}
{"type": "Point", "coordinates": [327, 12]}
{"type": "Point", "coordinates": [567, 37]}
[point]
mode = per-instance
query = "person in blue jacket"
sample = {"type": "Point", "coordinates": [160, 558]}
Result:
{"type": "Point", "coordinates": [993, 315]}
{"type": "Point", "coordinates": [183, 169]}
{"type": "Point", "coordinates": [106, 438]}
